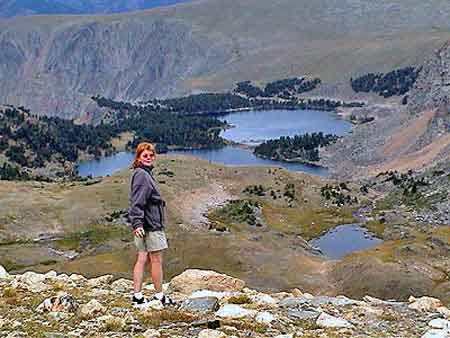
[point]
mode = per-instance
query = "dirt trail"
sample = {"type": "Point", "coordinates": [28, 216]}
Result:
{"type": "Point", "coordinates": [194, 205]}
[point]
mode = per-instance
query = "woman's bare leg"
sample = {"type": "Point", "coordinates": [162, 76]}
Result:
{"type": "Point", "coordinates": [138, 272]}
{"type": "Point", "coordinates": [157, 270]}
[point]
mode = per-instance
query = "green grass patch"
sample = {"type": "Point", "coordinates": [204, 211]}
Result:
{"type": "Point", "coordinates": [97, 234]}
{"type": "Point", "coordinates": [10, 265]}
{"type": "Point", "coordinates": [376, 227]}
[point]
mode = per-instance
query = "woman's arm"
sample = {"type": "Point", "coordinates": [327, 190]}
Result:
{"type": "Point", "coordinates": [140, 192]}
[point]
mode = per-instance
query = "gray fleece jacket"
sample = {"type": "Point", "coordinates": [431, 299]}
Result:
{"type": "Point", "coordinates": [146, 205]}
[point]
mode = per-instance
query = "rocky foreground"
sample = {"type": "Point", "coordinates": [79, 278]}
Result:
{"type": "Point", "coordinates": [209, 305]}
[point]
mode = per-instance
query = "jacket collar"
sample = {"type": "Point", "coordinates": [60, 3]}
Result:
{"type": "Point", "coordinates": [148, 169]}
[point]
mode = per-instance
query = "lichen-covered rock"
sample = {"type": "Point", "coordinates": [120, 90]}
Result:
{"type": "Point", "coordinates": [424, 303]}
{"type": "Point", "coordinates": [92, 309]}
{"type": "Point", "coordinates": [201, 304]}
{"type": "Point", "coordinates": [327, 321]}
{"type": "Point", "coordinates": [265, 317]}
{"type": "Point", "coordinates": [152, 333]}
{"type": "Point", "coordinates": [122, 285]}
{"type": "Point", "coordinates": [62, 302]}
{"type": "Point", "coordinates": [31, 277]}
{"type": "Point", "coordinates": [445, 312]}
{"type": "Point", "coordinates": [207, 333]}
{"type": "Point", "coordinates": [99, 281]}
{"type": "Point", "coordinates": [192, 280]}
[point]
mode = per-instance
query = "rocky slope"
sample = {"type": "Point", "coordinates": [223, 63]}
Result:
{"type": "Point", "coordinates": [53, 64]}
{"type": "Point", "coordinates": [414, 136]}
{"type": "Point", "coordinates": [209, 305]}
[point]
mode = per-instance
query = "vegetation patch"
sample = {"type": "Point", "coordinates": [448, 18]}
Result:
{"type": "Point", "coordinates": [240, 299]}
{"type": "Point", "coordinates": [338, 195]}
{"type": "Point", "coordinates": [96, 235]}
{"type": "Point", "coordinates": [238, 212]}
{"type": "Point", "coordinates": [156, 318]}
{"type": "Point", "coordinates": [300, 148]}
{"type": "Point", "coordinates": [396, 82]}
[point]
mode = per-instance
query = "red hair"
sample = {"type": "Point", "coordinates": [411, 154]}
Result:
{"type": "Point", "coordinates": [139, 150]}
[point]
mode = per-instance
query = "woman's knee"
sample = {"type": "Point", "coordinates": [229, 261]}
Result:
{"type": "Point", "coordinates": [156, 257]}
{"type": "Point", "coordinates": [142, 258]}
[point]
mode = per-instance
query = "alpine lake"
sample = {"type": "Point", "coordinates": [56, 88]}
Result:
{"type": "Point", "coordinates": [249, 129]}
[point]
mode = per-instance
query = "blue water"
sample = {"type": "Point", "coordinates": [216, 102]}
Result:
{"type": "Point", "coordinates": [105, 165]}
{"type": "Point", "coordinates": [250, 128]}
{"type": "Point", "coordinates": [256, 126]}
{"type": "Point", "coordinates": [235, 156]}
{"type": "Point", "coordinates": [345, 239]}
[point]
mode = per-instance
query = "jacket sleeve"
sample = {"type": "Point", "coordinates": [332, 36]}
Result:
{"type": "Point", "coordinates": [140, 191]}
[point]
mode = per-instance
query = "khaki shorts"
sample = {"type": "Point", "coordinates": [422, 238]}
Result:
{"type": "Point", "coordinates": [153, 241]}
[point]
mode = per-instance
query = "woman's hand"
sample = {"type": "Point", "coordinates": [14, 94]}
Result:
{"type": "Point", "coordinates": [139, 232]}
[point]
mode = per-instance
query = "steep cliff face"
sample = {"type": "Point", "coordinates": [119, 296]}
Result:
{"type": "Point", "coordinates": [57, 69]}
{"type": "Point", "coordinates": [432, 88]}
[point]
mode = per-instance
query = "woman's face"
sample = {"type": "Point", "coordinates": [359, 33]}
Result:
{"type": "Point", "coordinates": [147, 157]}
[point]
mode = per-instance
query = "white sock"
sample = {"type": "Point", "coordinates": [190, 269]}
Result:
{"type": "Point", "coordinates": [159, 295]}
{"type": "Point", "coordinates": [138, 295]}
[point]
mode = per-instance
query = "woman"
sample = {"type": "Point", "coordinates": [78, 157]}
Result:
{"type": "Point", "coordinates": [146, 215]}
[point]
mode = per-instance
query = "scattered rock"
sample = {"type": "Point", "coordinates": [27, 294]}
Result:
{"type": "Point", "coordinates": [193, 280]}
{"type": "Point", "coordinates": [292, 302]}
{"type": "Point", "coordinates": [77, 278]}
{"type": "Point", "coordinates": [303, 314]}
{"type": "Point", "coordinates": [424, 304]}
{"type": "Point", "coordinates": [3, 272]}
{"type": "Point", "coordinates": [51, 275]}
{"type": "Point", "coordinates": [327, 321]}
{"type": "Point", "coordinates": [208, 293]}
{"type": "Point", "coordinates": [263, 299]}
{"type": "Point", "coordinates": [439, 323]}
{"type": "Point", "coordinates": [445, 312]}
{"type": "Point", "coordinates": [265, 317]}
{"type": "Point", "coordinates": [207, 333]}
{"type": "Point", "coordinates": [297, 293]}
{"type": "Point", "coordinates": [31, 278]}
{"type": "Point", "coordinates": [201, 304]}
{"type": "Point", "coordinates": [62, 302]}
{"type": "Point", "coordinates": [152, 333]}
{"type": "Point", "coordinates": [436, 333]}
{"type": "Point", "coordinates": [99, 281]}
{"type": "Point", "coordinates": [122, 285]}
{"type": "Point", "coordinates": [234, 311]}
{"type": "Point", "coordinates": [92, 309]}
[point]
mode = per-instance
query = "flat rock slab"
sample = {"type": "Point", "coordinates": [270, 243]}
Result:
{"type": "Point", "coordinates": [436, 333]}
{"type": "Point", "coordinates": [303, 314]}
{"type": "Point", "coordinates": [293, 302]}
{"type": "Point", "coordinates": [234, 311]}
{"type": "Point", "coordinates": [327, 321]}
{"type": "Point", "coordinates": [193, 280]}
{"type": "Point", "coordinates": [201, 304]}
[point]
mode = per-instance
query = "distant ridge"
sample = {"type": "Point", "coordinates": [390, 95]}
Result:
{"type": "Point", "coordinates": [54, 64]}
{"type": "Point", "coordinates": [10, 8]}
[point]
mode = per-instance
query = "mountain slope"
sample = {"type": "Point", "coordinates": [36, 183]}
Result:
{"type": "Point", "coordinates": [53, 64]}
{"type": "Point", "coordinates": [414, 136]}
{"type": "Point", "coordinates": [9, 8]}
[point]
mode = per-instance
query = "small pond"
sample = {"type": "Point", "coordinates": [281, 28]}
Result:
{"type": "Point", "coordinates": [345, 239]}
